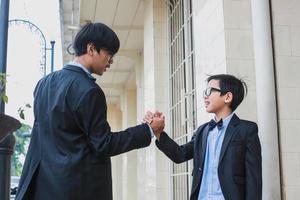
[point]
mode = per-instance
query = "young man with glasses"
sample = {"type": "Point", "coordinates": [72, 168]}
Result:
{"type": "Point", "coordinates": [226, 151]}
{"type": "Point", "coordinates": [71, 143]}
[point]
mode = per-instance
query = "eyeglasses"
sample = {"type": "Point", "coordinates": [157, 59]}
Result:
{"type": "Point", "coordinates": [110, 54]}
{"type": "Point", "coordinates": [207, 92]}
{"type": "Point", "coordinates": [111, 59]}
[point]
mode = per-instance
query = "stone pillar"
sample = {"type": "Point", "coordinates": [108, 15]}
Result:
{"type": "Point", "coordinates": [155, 72]}
{"type": "Point", "coordinates": [141, 168]}
{"type": "Point", "coordinates": [266, 98]}
{"type": "Point", "coordinates": [129, 165]}
{"type": "Point", "coordinates": [114, 117]}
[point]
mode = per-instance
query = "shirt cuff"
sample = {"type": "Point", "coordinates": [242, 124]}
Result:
{"type": "Point", "coordinates": [151, 131]}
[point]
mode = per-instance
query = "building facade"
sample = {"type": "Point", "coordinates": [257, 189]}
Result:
{"type": "Point", "coordinates": [168, 47]}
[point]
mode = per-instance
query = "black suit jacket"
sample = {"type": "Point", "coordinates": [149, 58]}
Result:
{"type": "Point", "coordinates": [71, 144]}
{"type": "Point", "coordinates": [239, 170]}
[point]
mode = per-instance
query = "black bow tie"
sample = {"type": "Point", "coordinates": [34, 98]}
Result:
{"type": "Point", "coordinates": [212, 124]}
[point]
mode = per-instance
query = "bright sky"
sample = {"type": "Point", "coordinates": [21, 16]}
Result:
{"type": "Point", "coordinates": [24, 56]}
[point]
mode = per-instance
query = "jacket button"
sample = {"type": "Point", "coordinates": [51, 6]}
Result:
{"type": "Point", "coordinates": [200, 169]}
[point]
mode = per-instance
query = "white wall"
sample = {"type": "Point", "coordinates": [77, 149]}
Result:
{"type": "Point", "coordinates": [286, 30]}
{"type": "Point", "coordinates": [210, 48]}
{"type": "Point", "coordinates": [223, 44]}
{"type": "Point", "coordinates": [239, 51]}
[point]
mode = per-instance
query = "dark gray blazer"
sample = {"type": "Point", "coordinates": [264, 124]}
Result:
{"type": "Point", "coordinates": [71, 144]}
{"type": "Point", "coordinates": [239, 170]}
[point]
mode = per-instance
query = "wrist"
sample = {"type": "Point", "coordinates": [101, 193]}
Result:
{"type": "Point", "coordinates": [157, 135]}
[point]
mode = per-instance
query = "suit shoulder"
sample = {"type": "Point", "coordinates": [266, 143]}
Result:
{"type": "Point", "coordinates": [78, 80]}
{"type": "Point", "coordinates": [74, 84]}
{"type": "Point", "coordinates": [249, 126]}
{"type": "Point", "coordinates": [248, 123]}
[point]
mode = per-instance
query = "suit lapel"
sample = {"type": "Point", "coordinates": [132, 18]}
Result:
{"type": "Point", "coordinates": [204, 142]}
{"type": "Point", "coordinates": [200, 148]}
{"type": "Point", "coordinates": [230, 131]}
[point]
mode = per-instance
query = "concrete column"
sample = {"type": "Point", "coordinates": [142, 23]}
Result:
{"type": "Point", "coordinates": [155, 95]}
{"type": "Point", "coordinates": [266, 98]}
{"type": "Point", "coordinates": [141, 153]}
{"type": "Point", "coordinates": [114, 117]}
{"type": "Point", "coordinates": [149, 100]}
{"type": "Point", "coordinates": [129, 160]}
{"type": "Point", "coordinates": [117, 176]}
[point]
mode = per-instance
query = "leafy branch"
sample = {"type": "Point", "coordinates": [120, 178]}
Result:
{"type": "Point", "coordinates": [3, 96]}
{"type": "Point", "coordinates": [22, 109]}
{"type": "Point", "coordinates": [22, 136]}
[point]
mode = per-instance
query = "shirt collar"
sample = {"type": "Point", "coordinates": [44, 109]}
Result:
{"type": "Point", "coordinates": [77, 64]}
{"type": "Point", "coordinates": [226, 120]}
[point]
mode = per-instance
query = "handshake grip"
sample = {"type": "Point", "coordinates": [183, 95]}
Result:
{"type": "Point", "coordinates": [156, 121]}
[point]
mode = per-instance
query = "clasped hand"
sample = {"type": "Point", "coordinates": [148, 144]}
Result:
{"type": "Point", "coordinates": [156, 121]}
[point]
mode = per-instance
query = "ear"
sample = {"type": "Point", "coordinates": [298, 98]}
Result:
{"type": "Point", "coordinates": [228, 97]}
{"type": "Point", "coordinates": [90, 49]}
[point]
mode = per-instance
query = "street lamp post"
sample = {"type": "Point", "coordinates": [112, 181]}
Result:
{"type": "Point", "coordinates": [52, 55]}
{"type": "Point", "coordinates": [4, 13]}
{"type": "Point", "coordinates": [7, 124]}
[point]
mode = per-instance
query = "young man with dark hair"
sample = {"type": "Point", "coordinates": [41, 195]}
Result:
{"type": "Point", "coordinates": [71, 143]}
{"type": "Point", "coordinates": [226, 151]}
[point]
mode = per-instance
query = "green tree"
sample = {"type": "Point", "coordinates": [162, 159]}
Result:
{"type": "Point", "coordinates": [22, 140]}
{"type": "Point", "coordinates": [3, 96]}
{"type": "Point", "coordinates": [22, 135]}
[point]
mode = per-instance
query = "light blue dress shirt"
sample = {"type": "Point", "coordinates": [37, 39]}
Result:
{"type": "Point", "coordinates": [73, 63]}
{"type": "Point", "coordinates": [210, 188]}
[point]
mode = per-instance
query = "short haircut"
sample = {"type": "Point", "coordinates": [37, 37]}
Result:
{"type": "Point", "coordinates": [229, 83]}
{"type": "Point", "coordinates": [97, 34]}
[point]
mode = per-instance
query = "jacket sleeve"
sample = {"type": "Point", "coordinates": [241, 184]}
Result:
{"type": "Point", "coordinates": [253, 165]}
{"type": "Point", "coordinates": [175, 152]}
{"type": "Point", "coordinates": [91, 115]}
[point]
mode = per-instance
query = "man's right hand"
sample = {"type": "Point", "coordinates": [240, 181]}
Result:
{"type": "Point", "coordinates": [156, 121]}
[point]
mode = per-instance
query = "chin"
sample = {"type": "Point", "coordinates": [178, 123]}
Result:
{"type": "Point", "coordinates": [99, 73]}
{"type": "Point", "coordinates": [209, 110]}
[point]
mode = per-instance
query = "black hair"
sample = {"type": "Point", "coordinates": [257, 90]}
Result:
{"type": "Point", "coordinates": [229, 83]}
{"type": "Point", "coordinates": [97, 34]}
